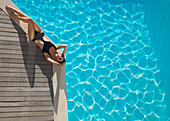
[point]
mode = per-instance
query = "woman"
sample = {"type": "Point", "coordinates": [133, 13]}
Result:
{"type": "Point", "coordinates": [36, 34]}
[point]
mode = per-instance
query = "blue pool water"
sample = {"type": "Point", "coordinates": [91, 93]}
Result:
{"type": "Point", "coordinates": [117, 60]}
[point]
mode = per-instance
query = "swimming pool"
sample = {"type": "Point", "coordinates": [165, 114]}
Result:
{"type": "Point", "coordinates": [117, 60]}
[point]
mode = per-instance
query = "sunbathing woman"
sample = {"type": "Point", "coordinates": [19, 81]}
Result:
{"type": "Point", "coordinates": [36, 34]}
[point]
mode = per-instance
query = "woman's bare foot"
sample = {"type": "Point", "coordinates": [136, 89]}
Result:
{"type": "Point", "coordinates": [9, 7]}
{"type": "Point", "coordinates": [14, 10]}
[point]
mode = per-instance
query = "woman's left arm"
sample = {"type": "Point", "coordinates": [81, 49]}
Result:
{"type": "Point", "coordinates": [63, 46]}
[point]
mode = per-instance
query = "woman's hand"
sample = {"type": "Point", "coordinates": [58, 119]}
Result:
{"type": "Point", "coordinates": [52, 61]}
{"type": "Point", "coordinates": [58, 64]}
{"type": "Point", "coordinates": [63, 46]}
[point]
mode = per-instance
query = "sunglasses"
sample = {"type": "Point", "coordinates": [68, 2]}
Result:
{"type": "Point", "coordinates": [61, 57]}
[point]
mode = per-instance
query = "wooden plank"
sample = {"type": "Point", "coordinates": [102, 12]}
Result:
{"type": "Point", "coordinates": [38, 99]}
{"type": "Point", "coordinates": [2, 13]}
{"type": "Point", "coordinates": [5, 21]}
{"type": "Point", "coordinates": [38, 103]}
{"type": "Point", "coordinates": [23, 70]}
{"type": "Point", "coordinates": [17, 94]}
{"type": "Point", "coordinates": [15, 65]}
{"type": "Point", "coordinates": [17, 70]}
{"type": "Point", "coordinates": [26, 80]}
{"type": "Point", "coordinates": [13, 54]}
{"type": "Point", "coordinates": [12, 84]}
{"type": "Point", "coordinates": [20, 52]}
{"type": "Point", "coordinates": [22, 104]}
{"type": "Point", "coordinates": [25, 75]}
{"type": "Point", "coordinates": [15, 60]}
{"type": "Point", "coordinates": [22, 47]}
{"type": "Point", "coordinates": [29, 62]}
{"type": "Point", "coordinates": [12, 104]}
{"type": "Point", "coordinates": [25, 114]}
{"type": "Point", "coordinates": [21, 61]}
{"type": "Point", "coordinates": [22, 109]}
{"type": "Point", "coordinates": [6, 29]}
{"type": "Point", "coordinates": [23, 99]}
{"type": "Point", "coordinates": [19, 79]}
{"type": "Point", "coordinates": [30, 103]}
{"type": "Point", "coordinates": [26, 58]}
{"type": "Point", "coordinates": [12, 99]}
{"type": "Point", "coordinates": [28, 67]}
{"type": "Point", "coordinates": [9, 42]}
{"type": "Point", "coordinates": [4, 38]}
{"type": "Point", "coordinates": [30, 49]}
{"type": "Point", "coordinates": [11, 34]}
{"type": "Point", "coordinates": [24, 89]}
{"type": "Point", "coordinates": [21, 84]}
{"type": "Point", "coordinates": [40, 118]}
{"type": "Point", "coordinates": [16, 47]}
{"type": "Point", "coordinates": [8, 25]}
{"type": "Point", "coordinates": [4, 17]}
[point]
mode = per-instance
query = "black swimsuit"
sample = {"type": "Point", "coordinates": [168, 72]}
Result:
{"type": "Point", "coordinates": [47, 45]}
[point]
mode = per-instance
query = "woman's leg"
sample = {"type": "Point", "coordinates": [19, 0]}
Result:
{"type": "Point", "coordinates": [32, 25]}
{"type": "Point", "coordinates": [28, 20]}
{"type": "Point", "coordinates": [21, 14]}
{"type": "Point", "coordinates": [31, 29]}
{"type": "Point", "coordinates": [16, 11]}
{"type": "Point", "coordinates": [24, 19]}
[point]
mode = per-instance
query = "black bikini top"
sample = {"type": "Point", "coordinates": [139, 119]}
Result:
{"type": "Point", "coordinates": [47, 44]}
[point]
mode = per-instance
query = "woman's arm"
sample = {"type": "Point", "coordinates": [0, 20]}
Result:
{"type": "Point", "coordinates": [47, 57]}
{"type": "Point", "coordinates": [63, 46]}
{"type": "Point", "coordinates": [52, 61]}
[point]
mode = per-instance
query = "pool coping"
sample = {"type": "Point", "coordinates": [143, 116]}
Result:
{"type": "Point", "coordinates": [59, 77]}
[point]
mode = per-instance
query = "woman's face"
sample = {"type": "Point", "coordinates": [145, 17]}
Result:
{"type": "Point", "coordinates": [59, 58]}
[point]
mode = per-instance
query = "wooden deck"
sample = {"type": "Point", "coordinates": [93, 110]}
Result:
{"type": "Point", "coordinates": [26, 88]}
